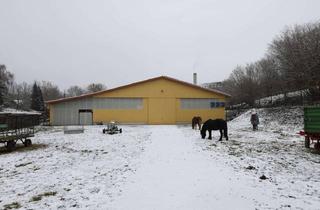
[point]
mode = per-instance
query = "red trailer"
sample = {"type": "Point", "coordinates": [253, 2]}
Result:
{"type": "Point", "coordinates": [311, 138]}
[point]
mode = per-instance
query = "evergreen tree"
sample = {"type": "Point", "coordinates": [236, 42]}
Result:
{"type": "Point", "coordinates": [37, 102]}
{"type": "Point", "coordinates": [41, 102]}
{"type": "Point", "coordinates": [34, 97]}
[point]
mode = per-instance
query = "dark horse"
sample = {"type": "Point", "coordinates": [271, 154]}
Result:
{"type": "Point", "coordinates": [196, 121]}
{"type": "Point", "coordinates": [218, 124]}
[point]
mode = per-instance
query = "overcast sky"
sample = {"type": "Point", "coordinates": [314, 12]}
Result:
{"type": "Point", "coordinates": [77, 42]}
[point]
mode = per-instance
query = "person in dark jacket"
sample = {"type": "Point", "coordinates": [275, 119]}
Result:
{"type": "Point", "coordinates": [254, 120]}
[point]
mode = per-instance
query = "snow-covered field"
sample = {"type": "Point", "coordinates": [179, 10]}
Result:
{"type": "Point", "coordinates": [166, 167]}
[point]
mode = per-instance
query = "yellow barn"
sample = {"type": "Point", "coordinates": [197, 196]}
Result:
{"type": "Point", "coordinates": [160, 100]}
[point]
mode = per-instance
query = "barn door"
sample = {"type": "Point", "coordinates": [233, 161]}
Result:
{"type": "Point", "coordinates": [85, 117]}
{"type": "Point", "coordinates": [162, 111]}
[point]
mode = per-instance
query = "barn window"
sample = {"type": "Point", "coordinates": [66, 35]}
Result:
{"type": "Point", "coordinates": [117, 103]}
{"type": "Point", "coordinates": [217, 104]}
{"type": "Point", "coordinates": [200, 103]}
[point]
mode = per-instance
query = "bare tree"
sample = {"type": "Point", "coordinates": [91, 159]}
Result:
{"type": "Point", "coordinates": [95, 87]}
{"type": "Point", "coordinates": [75, 91]}
{"type": "Point", "coordinates": [50, 91]}
{"type": "Point", "coordinates": [297, 50]}
{"type": "Point", "coordinates": [19, 95]}
{"type": "Point", "coordinates": [269, 76]}
{"type": "Point", "coordinates": [6, 79]}
{"type": "Point", "coordinates": [243, 84]}
{"type": "Point", "coordinates": [292, 63]}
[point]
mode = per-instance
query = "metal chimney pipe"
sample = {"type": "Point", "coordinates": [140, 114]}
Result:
{"type": "Point", "coordinates": [195, 78]}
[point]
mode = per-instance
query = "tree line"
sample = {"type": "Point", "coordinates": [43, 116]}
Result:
{"type": "Point", "coordinates": [31, 96]}
{"type": "Point", "coordinates": [291, 63]}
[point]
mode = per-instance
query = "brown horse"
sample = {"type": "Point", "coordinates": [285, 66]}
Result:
{"type": "Point", "coordinates": [196, 121]}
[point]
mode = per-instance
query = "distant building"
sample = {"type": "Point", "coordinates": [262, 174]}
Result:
{"type": "Point", "coordinates": [214, 85]}
{"type": "Point", "coordinates": [160, 100]}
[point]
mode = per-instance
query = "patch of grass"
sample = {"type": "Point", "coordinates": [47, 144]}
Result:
{"type": "Point", "coordinates": [40, 196]}
{"type": "Point", "coordinates": [49, 194]}
{"type": "Point", "coordinates": [14, 205]}
{"type": "Point", "coordinates": [36, 198]}
{"type": "Point", "coordinates": [23, 164]}
{"type": "Point", "coordinates": [86, 151]}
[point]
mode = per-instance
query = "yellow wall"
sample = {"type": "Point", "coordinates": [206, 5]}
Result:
{"type": "Point", "coordinates": [51, 114]}
{"type": "Point", "coordinates": [122, 115]}
{"type": "Point", "coordinates": [186, 115]}
{"type": "Point", "coordinates": [161, 104]}
{"type": "Point", "coordinates": [161, 89]}
{"type": "Point", "coordinates": [162, 111]}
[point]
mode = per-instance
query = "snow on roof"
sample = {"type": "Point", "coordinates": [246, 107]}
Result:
{"type": "Point", "coordinates": [17, 111]}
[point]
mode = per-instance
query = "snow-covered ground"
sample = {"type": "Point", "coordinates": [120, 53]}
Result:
{"type": "Point", "coordinates": [166, 167]}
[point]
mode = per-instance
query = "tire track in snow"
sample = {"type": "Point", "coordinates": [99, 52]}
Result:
{"type": "Point", "coordinates": [175, 175]}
